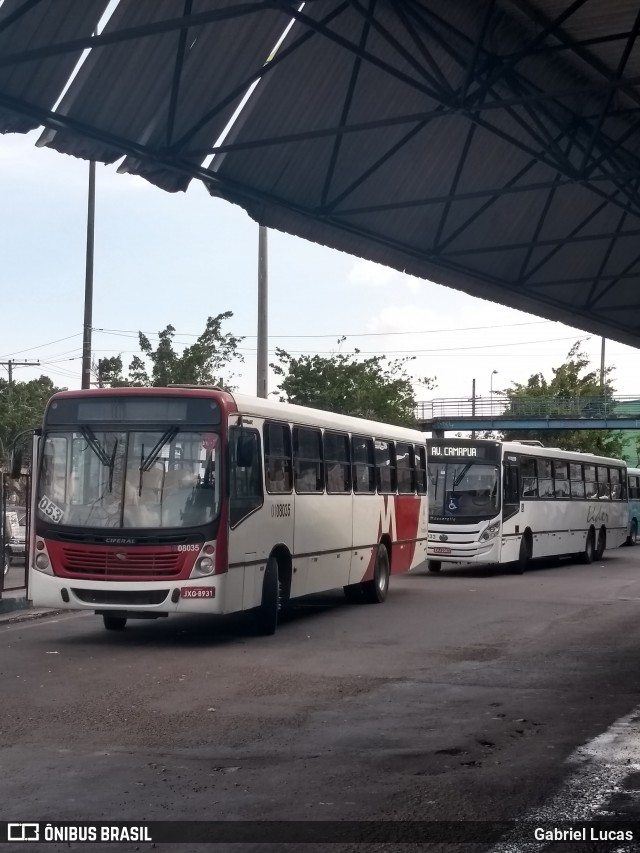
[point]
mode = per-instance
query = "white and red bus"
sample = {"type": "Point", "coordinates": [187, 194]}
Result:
{"type": "Point", "coordinates": [151, 501]}
{"type": "Point", "coordinates": [510, 502]}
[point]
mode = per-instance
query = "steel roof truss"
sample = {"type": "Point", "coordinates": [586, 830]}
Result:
{"type": "Point", "coordinates": [609, 97]}
{"type": "Point", "coordinates": [132, 33]}
{"type": "Point", "coordinates": [346, 107]}
{"type": "Point", "coordinates": [261, 72]}
{"type": "Point", "coordinates": [401, 50]}
{"type": "Point", "coordinates": [589, 302]}
{"type": "Point", "coordinates": [177, 73]}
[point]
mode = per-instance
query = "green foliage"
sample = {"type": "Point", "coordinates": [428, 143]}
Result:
{"type": "Point", "coordinates": [22, 407]}
{"type": "Point", "coordinates": [373, 388]}
{"type": "Point", "coordinates": [580, 388]}
{"type": "Point", "coordinates": [203, 363]}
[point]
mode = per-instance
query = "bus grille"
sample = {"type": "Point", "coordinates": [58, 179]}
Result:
{"type": "Point", "coordinates": [85, 562]}
{"type": "Point", "coordinates": [108, 596]}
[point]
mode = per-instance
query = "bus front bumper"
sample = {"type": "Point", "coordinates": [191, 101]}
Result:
{"type": "Point", "coordinates": [465, 552]}
{"type": "Point", "coordinates": [204, 595]}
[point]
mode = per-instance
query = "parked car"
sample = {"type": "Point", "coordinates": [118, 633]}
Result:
{"type": "Point", "coordinates": [15, 536]}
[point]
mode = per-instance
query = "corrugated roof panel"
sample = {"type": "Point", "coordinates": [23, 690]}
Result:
{"type": "Point", "coordinates": [124, 89]}
{"type": "Point", "coordinates": [498, 126]}
{"type": "Point", "coordinates": [39, 82]}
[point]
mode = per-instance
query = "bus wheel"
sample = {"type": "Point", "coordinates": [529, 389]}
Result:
{"type": "Point", "coordinates": [522, 563]}
{"type": "Point", "coordinates": [353, 593]}
{"type": "Point", "coordinates": [114, 623]}
{"type": "Point", "coordinates": [375, 591]}
{"type": "Point", "coordinates": [586, 556]}
{"type": "Point", "coordinates": [266, 615]}
{"type": "Point", "coordinates": [602, 544]}
{"type": "Point", "coordinates": [632, 538]}
{"type": "Point", "coordinates": [434, 565]}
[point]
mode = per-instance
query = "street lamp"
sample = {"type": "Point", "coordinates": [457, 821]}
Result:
{"type": "Point", "coordinates": [493, 372]}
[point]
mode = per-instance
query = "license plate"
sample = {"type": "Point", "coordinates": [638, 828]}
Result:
{"type": "Point", "coordinates": [441, 550]}
{"type": "Point", "coordinates": [198, 592]}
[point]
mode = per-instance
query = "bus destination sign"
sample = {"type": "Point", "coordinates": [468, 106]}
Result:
{"type": "Point", "coordinates": [451, 450]}
{"type": "Point", "coordinates": [470, 452]}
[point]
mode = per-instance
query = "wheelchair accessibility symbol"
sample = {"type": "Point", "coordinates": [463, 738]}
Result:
{"type": "Point", "coordinates": [452, 505]}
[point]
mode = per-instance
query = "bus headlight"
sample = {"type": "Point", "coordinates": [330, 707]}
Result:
{"type": "Point", "coordinates": [203, 566]}
{"type": "Point", "coordinates": [42, 562]}
{"type": "Point", "coordinates": [490, 532]}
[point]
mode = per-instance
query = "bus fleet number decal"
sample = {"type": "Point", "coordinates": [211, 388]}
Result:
{"type": "Point", "coordinates": [280, 510]}
{"type": "Point", "coordinates": [52, 512]}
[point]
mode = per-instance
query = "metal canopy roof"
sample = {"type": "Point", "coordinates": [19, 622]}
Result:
{"type": "Point", "coordinates": [489, 145]}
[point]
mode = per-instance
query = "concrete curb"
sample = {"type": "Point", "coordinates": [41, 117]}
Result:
{"type": "Point", "coordinates": [21, 610]}
{"type": "Point", "coordinates": [15, 603]}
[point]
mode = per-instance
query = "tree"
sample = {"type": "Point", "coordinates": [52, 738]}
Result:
{"type": "Point", "coordinates": [373, 388]}
{"type": "Point", "coordinates": [22, 407]}
{"type": "Point", "coordinates": [203, 363]}
{"type": "Point", "coordinates": [573, 391]}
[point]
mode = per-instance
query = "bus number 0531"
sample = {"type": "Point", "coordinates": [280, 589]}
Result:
{"type": "Point", "coordinates": [280, 510]}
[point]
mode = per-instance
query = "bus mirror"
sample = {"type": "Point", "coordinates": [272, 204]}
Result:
{"type": "Point", "coordinates": [16, 463]}
{"type": "Point", "coordinates": [245, 450]}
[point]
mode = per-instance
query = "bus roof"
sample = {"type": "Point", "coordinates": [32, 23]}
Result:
{"type": "Point", "coordinates": [526, 449]}
{"type": "Point", "coordinates": [248, 405]}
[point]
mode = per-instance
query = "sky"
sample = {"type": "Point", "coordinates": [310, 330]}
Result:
{"type": "Point", "coordinates": [163, 258]}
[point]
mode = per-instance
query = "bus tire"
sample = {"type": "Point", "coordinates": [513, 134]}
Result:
{"type": "Point", "coordinates": [266, 615]}
{"type": "Point", "coordinates": [353, 593]}
{"type": "Point", "coordinates": [586, 557]}
{"type": "Point", "coordinates": [632, 538]}
{"type": "Point", "coordinates": [602, 544]}
{"type": "Point", "coordinates": [114, 623]}
{"type": "Point", "coordinates": [434, 566]}
{"type": "Point", "coordinates": [524, 556]}
{"type": "Point", "coordinates": [375, 591]}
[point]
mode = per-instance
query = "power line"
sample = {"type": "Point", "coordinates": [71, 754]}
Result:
{"type": "Point", "coordinates": [136, 332]}
{"type": "Point", "coordinates": [40, 346]}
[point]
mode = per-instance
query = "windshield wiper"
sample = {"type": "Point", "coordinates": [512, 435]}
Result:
{"type": "Point", "coordinates": [457, 480]}
{"type": "Point", "coordinates": [94, 444]}
{"type": "Point", "coordinates": [147, 462]}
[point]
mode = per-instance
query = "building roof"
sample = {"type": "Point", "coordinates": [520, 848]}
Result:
{"type": "Point", "coordinates": [489, 145]}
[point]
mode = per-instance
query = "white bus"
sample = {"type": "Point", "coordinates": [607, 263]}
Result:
{"type": "Point", "coordinates": [510, 502]}
{"type": "Point", "coordinates": [633, 486]}
{"type": "Point", "coordinates": [151, 501]}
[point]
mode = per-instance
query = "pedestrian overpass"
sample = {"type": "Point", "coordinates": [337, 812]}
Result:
{"type": "Point", "coordinates": [528, 413]}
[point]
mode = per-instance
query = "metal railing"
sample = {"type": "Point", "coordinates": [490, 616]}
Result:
{"type": "Point", "coordinates": [498, 406]}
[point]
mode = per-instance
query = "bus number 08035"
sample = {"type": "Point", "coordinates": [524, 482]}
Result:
{"type": "Point", "coordinates": [280, 510]}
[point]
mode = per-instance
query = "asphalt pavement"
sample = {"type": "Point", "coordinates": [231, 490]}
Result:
{"type": "Point", "coordinates": [464, 697]}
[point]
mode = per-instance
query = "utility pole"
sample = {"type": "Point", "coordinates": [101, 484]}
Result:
{"type": "Point", "coordinates": [88, 281]}
{"type": "Point", "coordinates": [12, 363]}
{"type": "Point", "coordinates": [263, 314]}
{"type": "Point", "coordinates": [602, 366]}
{"type": "Point", "coordinates": [473, 405]}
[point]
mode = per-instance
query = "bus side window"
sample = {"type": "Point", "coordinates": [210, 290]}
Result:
{"type": "Point", "coordinates": [511, 485]}
{"type": "Point", "coordinates": [364, 481]}
{"type": "Point", "coordinates": [616, 484]}
{"type": "Point", "coordinates": [277, 457]}
{"type": "Point", "coordinates": [385, 466]}
{"type": "Point", "coordinates": [337, 460]}
{"type": "Point", "coordinates": [528, 477]}
{"type": "Point", "coordinates": [421, 470]}
{"type": "Point", "coordinates": [307, 460]}
{"type": "Point", "coordinates": [245, 494]}
{"type": "Point", "coordinates": [406, 469]}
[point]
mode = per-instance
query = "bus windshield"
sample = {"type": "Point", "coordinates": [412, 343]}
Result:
{"type": "Point", "coordinates": [138, 478]}
{"type": "Point", "coordinates": [463, 489]}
